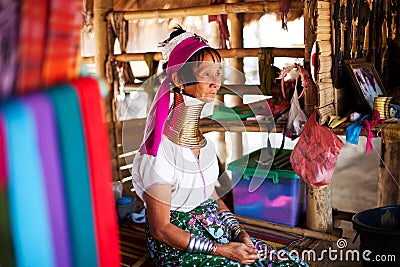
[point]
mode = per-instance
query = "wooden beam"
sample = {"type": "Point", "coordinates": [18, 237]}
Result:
{"type": "Point", "coordinates": [250, 7]}
{"type": "Point", "coordinates": [225, 53]}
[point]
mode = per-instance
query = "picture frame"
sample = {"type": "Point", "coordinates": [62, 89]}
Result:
{"type": "Point", "coordinates": [367, 81]}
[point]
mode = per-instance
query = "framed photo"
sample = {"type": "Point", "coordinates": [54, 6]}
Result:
{"type": "Point", "coordinates": [367, 81]}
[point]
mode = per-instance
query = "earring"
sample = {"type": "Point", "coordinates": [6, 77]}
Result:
{"type": "Point", "coordinates": [181, 90]}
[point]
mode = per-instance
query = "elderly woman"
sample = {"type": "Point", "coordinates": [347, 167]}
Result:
{"type": "Point", "coordinates": [174, 174]}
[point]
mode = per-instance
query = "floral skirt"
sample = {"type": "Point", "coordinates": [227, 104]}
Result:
{"type": "Point", "coordinates": [204, 221]}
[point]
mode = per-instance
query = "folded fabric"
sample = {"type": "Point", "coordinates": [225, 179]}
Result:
{"type": "Point", "coordinates": [43, 114]}
{"type": "Point", "coordinates": [76, 175]}
{"type": "Point", "coordinates": [96, 138]}
{"type": "Point", "coordinates": [31, 228]}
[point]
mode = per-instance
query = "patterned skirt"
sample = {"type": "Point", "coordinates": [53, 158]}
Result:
{"type": "Point", "coordinates": [203, 221]}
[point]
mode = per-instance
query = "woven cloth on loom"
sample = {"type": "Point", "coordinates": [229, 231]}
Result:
{"type": "Point", "coordinates": [134, 246]}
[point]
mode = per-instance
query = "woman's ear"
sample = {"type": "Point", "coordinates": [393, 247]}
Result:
{"type": "Point", "coordinates": [176, 80]}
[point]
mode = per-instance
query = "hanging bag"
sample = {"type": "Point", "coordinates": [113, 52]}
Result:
{"type": "Point", "coordinates": [315, 154]}
{"type": "Point", "coordinates": [297, 118]}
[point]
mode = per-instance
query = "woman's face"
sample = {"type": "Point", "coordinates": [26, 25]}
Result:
{"type": "Point", "coordinates": [208, 76]}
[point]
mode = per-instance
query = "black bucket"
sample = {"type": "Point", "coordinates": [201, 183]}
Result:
{"type": "Point", "coordinates": [379, 231]}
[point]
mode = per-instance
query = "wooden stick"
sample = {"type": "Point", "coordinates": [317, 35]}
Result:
{"type": "Point", "coordinates": [252, 7]}
{"type": "Point", "coordinates": [288, 229]}
{"type": "Point", "coordinates": [141, 260]}
{"type": "Point", "coordinates": [225, 53]}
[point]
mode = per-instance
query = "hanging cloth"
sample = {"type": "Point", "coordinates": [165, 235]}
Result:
{"type": "Point", "coordinates": [222, 21]}
{"type": "Point", "coordinates": [62, 42]}
{"type": "Point", "coordinates": [33, 19]}
{"type": "Point", "coordinates": [40, 106]}
{"type": "Point", "coordinates": [368, 124]}
{"type": "Point", "coordinates": [8, 46]}
{"type": "Point", "coordinates": [31, 228]}
{"type": "Point", "coordinates": [284, 10]}
{"type": "Point", "coordinates": [118, 28]}
{"type": "Point", "coordinates": [6, 244]}
{"type": "Point", "coordinates": [76, 175]}
{"type": "Point", "coordinates": [96, 137]}
{"type": "Point", "coordinates": [353, 130]}
{"type": "Point", "coordinates": [265, 61]}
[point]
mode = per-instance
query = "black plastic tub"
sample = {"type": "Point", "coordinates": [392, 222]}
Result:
{"type": "Point", "coordinates": [379, 231]}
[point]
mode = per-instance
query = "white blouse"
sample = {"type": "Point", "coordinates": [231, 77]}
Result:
{"type": "Point", "coordinates": [192, 179]}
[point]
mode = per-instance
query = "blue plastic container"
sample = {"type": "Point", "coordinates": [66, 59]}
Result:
{"type": "Point", "coordinates": [280, 198]}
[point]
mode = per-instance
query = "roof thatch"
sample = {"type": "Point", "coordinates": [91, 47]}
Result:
{"type": "Point", "coordinates": [135, 5]}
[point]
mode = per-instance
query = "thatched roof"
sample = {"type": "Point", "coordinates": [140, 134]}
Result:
{"type": "Point", "coordinates": [135, 5]}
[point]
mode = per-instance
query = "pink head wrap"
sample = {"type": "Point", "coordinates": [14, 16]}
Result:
{"type": "Point", "coordinates": [155, 126]}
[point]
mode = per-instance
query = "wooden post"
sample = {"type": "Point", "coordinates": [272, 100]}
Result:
{"type": "Point", "coordinates": [310, 99]}
{"type": "Point", "coordinates": [389, 173]}
{"type": "Point", "coordinates": [236, 63]}
{"type": "Point", "coordinates": [319, 209]}
{"type": "Point", "coordinates": [100, 10]}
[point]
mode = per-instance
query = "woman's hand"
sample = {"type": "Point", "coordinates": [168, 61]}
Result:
{"type": "Point", "coordinates": [237, 251]}
{"type": "Point", "coordinates": [244, 238]}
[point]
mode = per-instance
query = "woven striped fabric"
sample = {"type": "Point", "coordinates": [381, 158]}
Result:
{"type": "Point", "coordinates": [32, 39]}
{"type": "Point", "coordinates": [62, 43]}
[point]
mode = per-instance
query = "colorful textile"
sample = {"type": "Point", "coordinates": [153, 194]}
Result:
{"type": "Point", "coordinates": [62, 41]}
{"type": "Point", "coordinates": [6, 245]}
{"type": "Point", "coordinates": [43, 114]}
{"type": "Point", "coordinates": [29, 217]}
{"type": "Point", "coordinates": [368, 124]}
{"type": "Point", "coordinates": [96, 137]}
{"type": "Point", "coordinates": [32, 43]}
{"type": "Point", "coordinates": [204, 221]}
{"type": "Point", "coordinates": [76, 175]}
{"type": "Point", "coordinates": [9, 45]}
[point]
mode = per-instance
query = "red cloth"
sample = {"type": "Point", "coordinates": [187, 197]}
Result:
{"type": "Point", "coordinates": [63, 41]}
{"type": "Point", "coordinates": [96, 136]}
{"type": "Point", "coordinates": [32, 39]}
{"type": "Point", "coordinates": [368, 124]}
{"type": "Point", "coordinates": [222, 21]}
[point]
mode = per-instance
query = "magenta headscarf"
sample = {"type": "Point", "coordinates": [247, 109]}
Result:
{"type": "Point", "coordinates": [159, 110]}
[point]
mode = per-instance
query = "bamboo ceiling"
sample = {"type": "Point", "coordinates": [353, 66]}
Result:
{"type": "Point", "coordinates": [135, 5]}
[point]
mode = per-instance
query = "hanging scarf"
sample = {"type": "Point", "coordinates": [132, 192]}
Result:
{"type": "Point", "coordinates": [222, 21]}
{"type": "Point", "coordinates": [74, 161]}
{"type": "Point", "coordinates": [43, 115]}
{"type": "Point", "coordinates": [96, 138]}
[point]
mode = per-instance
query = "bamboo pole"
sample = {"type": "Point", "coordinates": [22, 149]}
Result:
{"type": "Point", "coordinates": [319, 209]}
{"type": "Point", "coordinates": [100, 10]}
{"type": "Point", "coordinates": [249, 7]}
{"type": "Point", "coordinates": [236, 41]}
{"type": "Point", "coordinates": [288, 229]}
{"type": "Point", "coordinates": [225, 53]}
